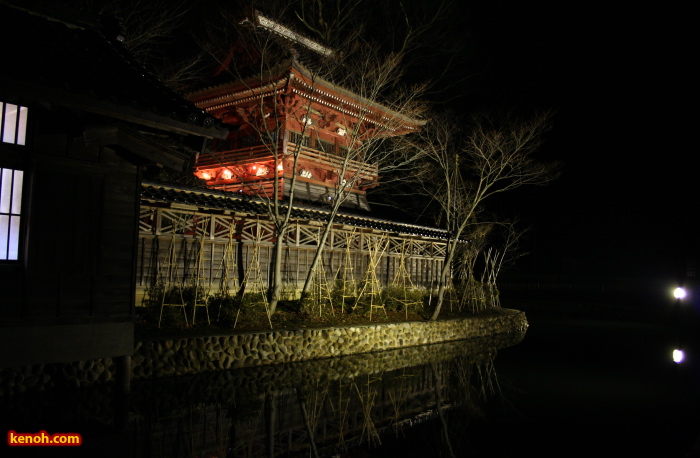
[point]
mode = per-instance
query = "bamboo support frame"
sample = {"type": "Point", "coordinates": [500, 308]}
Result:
{"type": "Point", "coordinates": [232, 251]}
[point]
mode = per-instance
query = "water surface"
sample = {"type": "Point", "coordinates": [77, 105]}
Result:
{"type": "Point", "coordinates": [567, 387]}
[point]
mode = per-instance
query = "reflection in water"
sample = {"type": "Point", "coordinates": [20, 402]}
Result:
{"type": "Point", "coordinates": [315, 408]}
{"type": "Point", "coordinates": [319, 408]}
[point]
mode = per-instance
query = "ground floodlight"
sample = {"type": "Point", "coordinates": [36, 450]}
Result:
{"type": "Point", "coordinates": [678, 356]}
{"type": "Point", "coordinates": [679, 293]}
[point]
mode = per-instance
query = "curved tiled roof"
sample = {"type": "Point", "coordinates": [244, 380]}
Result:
{"type": "Point", "coordinates": [227, 201]}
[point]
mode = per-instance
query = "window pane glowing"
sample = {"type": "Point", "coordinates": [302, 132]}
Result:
{"type": "Point", "coordinates": [17, 192]}
{"type": "Point", "coordinates": [13, 240]}
{"type": "Point", "coordinates": [4, 236]}
{"type": "Point", "coordinates": [22, 126]}
{"type": "Point", "coordinates": [10, 210]}
{"type": "Point", "coordinates": [13, 123]}
{"type": "Point", "coordinates": [5, 190]}
{"type": "Point", "coordinates": [9, 123]}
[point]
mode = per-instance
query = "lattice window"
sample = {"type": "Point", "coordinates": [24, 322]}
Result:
{"type": "Point", "coordinates": [148, 220]}
{"type": "Point", "coordinates": [395, 246]}
{"type": "Point", "coordinates": [184, 223]}
{"type": "Point", "coordinates": [339, 240]}
{"type": "Point", "coordinates": [13, 123]}
{"type": "Point", "coordinates": [222, 226]}
{"type": "Point", "coordinates": [308, 235]}
{"type": "Point", "coordinates": [326, 146]}
{"type": "Point", "coordinates": [10, 213]}
{"type": "Point", "coordinates": [299, 139]}
{"type": "Point", "coordinates": [258, 231]}
{"type": "Point", "coordinates": [421, 248]}
{"type": "Point", "coordinates": [439, 249]}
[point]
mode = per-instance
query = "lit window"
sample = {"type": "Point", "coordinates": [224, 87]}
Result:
{"type": "Point", "coordinates": [13, 123]}
{"type": "Point", "coordinates": [10, 213]}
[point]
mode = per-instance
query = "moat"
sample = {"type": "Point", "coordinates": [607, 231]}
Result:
{"type": "Point", "coordinates": [566, 387]}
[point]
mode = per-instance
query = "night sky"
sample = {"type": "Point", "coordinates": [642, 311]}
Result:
{"type": "Point", "coordinates": [618, 77]}
{"type": "Point", "coordinates": [619, 81]}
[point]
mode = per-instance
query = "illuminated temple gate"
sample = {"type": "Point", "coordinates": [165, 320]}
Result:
{"type": "Point", "coordinates": [209, 238]}
{"type": "Point", "coordinates": [294, 136]}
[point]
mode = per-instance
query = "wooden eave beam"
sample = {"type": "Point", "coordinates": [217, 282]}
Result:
{"type": "Point", "coordinates": [237, 93]}
{"type": "Point", "coordinates": [346, 97]}
{"type": "Point", "coordinates": [138, 144]}
{"type": "Point", "coordinates": [112, 110]}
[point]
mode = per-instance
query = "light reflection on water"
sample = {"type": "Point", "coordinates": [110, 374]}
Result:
{"type": "Point", "coordinates": [317, 408]}
{"type": "Point", "coordinates": [587, 387]}
{"type": "Point", "coordinates": [569, 387]}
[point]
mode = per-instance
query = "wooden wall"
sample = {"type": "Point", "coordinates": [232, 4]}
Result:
{"type": "Point", "coordinates": [79, 221]}
{"type": "Point", "coordinates": [181, 247]}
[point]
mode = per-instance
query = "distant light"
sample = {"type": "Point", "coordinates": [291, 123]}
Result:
{"type": "Point", "coordinates": [226, 174]}
{"type": "Point", "coordinates": [678, 356]}
{"type": "Point", "coordinates": [679, 293]}
{"type": "Point", "coordinates": [203, 175]}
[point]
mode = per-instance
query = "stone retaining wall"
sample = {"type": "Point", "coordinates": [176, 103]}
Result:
{"type": "Point", "coordinates": [175, 393]}
{"type": "Point", "coordinates": [190, 356]}
{"type": "Point", "coordinates": [155, 359]}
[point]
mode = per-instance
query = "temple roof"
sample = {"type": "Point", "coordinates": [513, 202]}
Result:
{"type": "Point", "coordinates": [292, 72]}
{"type": "Point", "coordinates": [80, 62]}
{"type": "Point", "coordinates": [226, 201]}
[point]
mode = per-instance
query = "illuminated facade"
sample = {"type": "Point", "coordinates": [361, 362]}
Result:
{"type": "Point", "coordinates": [296, 131]}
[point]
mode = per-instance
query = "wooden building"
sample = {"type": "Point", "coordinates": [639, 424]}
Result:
{"type": "Point", "coordinates": [78, 120]}
{"type": "Point", "coordinates": [295, 129]}
{"type": "Point", "coordinates": [215, 241]}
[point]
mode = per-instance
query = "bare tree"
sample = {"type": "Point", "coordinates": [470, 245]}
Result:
{"type": "Point", "coordinates": [147, 24]}
{"type": "Point", "coordinates": [371, 151]}
{"type": "Point", "coordinates": [497, 256]}
{"type": "Point", "coordinates": [257, 56]}
{"type": "Point", "coordinates": [299, 94]}
{"type": "Point", "coordinates": [466, 168]}
{"type": "Point", "coordinates": [464, 267]}
{"type": "Point", "coordinates": [151, 29]}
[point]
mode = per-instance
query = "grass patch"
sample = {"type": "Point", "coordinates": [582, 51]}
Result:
{"type": "Point", "coordinates": [290, 314]}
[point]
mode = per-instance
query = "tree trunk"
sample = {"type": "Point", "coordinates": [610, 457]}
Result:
{"type": "Point", "coordinates": [276, 277]}
{"type": "Point", "coordinates": [444, 275]}
{"type": "Point", "coordinates": [317, 258]}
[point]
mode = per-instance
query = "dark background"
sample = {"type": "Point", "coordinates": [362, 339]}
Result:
{"type": "Point", "coordinates": [617, 75]}
{"type": "Point", "coordinates": [619, 80]}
